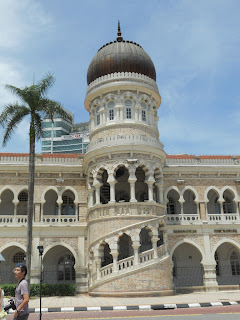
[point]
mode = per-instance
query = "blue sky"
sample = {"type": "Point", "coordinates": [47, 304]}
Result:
{"type": "Point", "coordinates": [195, 46]}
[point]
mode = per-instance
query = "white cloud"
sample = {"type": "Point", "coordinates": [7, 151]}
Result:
{"type": "Point", "coordinates": [19, 20]}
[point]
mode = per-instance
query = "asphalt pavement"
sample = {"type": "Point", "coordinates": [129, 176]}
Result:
{"type": "Point", "coordinates": [84, 302]}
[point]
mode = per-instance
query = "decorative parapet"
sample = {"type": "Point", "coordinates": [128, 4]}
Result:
{"type": "Point", "coordinates": [124, 140]}
{"type": "Point", "coordinates": [123, 76]}
{"type": "Point", "coordinates": [125, 209]}
{"type": "Point", "coordinates": [45, 159]}
{"type": "Point", "coordinates": [191, 160]}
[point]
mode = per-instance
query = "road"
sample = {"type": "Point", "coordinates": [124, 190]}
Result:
{"type": "Point", "coordinates": [211, 313]}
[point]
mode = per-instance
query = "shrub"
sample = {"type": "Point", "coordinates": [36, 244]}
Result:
{"type": "Point", "coordinates": [61, 289]}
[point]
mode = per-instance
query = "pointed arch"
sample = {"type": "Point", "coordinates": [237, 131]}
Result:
{"type": "Point", "coordinates": [70, 189]}
{"type": "Point", "coordinates": [46, 190]}
{"type": "Point", "coordinates": [219, 193]}
{"type": "Point", "coordinates": [14, 191]}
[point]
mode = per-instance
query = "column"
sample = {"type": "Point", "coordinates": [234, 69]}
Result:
{"type": "Point", "coordinates": [181, 204]}
{"type": "Point", "coordinates": [37, 212]}
{"type": "Point", "coordinates": [115, 259]}
{"type": "Point", "coordinates": [160, 191]}
{"type": "Point", "coordinates": [202, 213]}
{"type": "Point", "coordinates": [209, 265]}
{"type": "Point", "coordinates": [121, 113]}
{"type": "Point", "coordinates": [117, 109]}
{"type": "Point", "coordinates": [197, 205]}
{"type": "Point", "coordinates": [154, 244]}
{"type": "Point", "coordinates": [59, 210]}
{"type": "Point", "coordinates": [150, 191]}
{"type": "Point", "coordinates": [221, 206]}
{"type": "Point", "coordinates": [15, 210]}
{"type": "Point", "coordinates": [90, 197]}
{"type": "Point", "coordinates": [132, 181]}
{"type": "Point", "coordinates": [97, 186]}
{"type": "Point", "coordinates": [111, 180]}
{"type": "Point", "coordinates": [98, 266]}
{"type": "Point", "coordinates": [136, 246]}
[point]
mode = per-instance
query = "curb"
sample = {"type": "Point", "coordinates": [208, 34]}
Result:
{"type": "Point", "coordinates": [140, 307]}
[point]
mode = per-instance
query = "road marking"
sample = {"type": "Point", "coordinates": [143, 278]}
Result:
{"type": "Point", "coordinates": [126, 317]}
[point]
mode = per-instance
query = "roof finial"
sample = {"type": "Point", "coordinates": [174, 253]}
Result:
{"type": "Point", "coordinates": [119, 37]}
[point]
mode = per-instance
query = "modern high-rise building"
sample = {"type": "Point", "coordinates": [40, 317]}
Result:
{"type": "Point", "coordinates": [62, 136]}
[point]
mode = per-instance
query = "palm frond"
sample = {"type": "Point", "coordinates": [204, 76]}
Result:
{"type": "Point", "coordinates": [45, 84]}
{"type": "Point", "coordinates": [52, 108]}
{"type": "Point", "coordinates": [9, 111]}
{"type": "Point", "coordinates": [13, 122]}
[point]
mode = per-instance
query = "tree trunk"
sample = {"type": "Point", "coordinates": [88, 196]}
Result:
{"type": "Point", "coordinates": [30, 208]}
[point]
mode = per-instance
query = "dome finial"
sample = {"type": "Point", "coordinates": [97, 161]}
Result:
{"type": "Point", "coordinates": [119, 37]}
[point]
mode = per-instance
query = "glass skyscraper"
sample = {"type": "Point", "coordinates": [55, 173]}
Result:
{"type": "Point", "coordinates": [62, 136]}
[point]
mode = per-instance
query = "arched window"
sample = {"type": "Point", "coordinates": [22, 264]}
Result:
{"type": "Point", "coordinates": [107, 257]}
{"type": "Point", "coordinates": [125, 247]}
{"type": "Point", "coordinates": [105, 189]}
{"type": "Point", "coordinates": [22, 205]}
{"type": "Point", "coordinates": [235, 266]}
{"type": "Point", "coordinates": [145, 240]}
{"type": "Point", "coordinates": [217, 206]}
{"type": "Point", "coordinates": [227, 205]}
{"type": "Point", "coordinates": [68, 204]}
{"type": "Point", "coordinates": [66, 271]}
{"type": "Point", "coordinates": [171, 206]}
{"type": "Point", "coordinates": [144, 111]}
{"type": "Point", "coordinates": [23, 196]}
{"type": "Point", "coordinates": [128, 104]}
{"type": "Point", "coordinates": [110, 106]}
{"type": "Point", "coordinates": [19, 257]}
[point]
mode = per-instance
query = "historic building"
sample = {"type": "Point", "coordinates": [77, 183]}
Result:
{"type": "Point", "coordinates": [124, 218]}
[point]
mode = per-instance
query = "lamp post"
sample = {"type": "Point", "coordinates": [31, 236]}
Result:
{"type": "Point", "coordinates": [40, 249]}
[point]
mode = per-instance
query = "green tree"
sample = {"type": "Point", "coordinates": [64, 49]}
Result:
{"type": "Point", "coordinates": [34, 104]}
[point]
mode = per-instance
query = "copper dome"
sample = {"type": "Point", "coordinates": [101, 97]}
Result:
{"type": "Point", "coordinates": [120, 56]}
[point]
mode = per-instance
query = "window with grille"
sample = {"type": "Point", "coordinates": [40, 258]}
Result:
{"type": "Point", "coordinates": [235, 266]}
{"type": "Point", "coordinates": [144, 115]}
{"type": "Point", "coordinates": [128, 113]}
{"type": "Point", "coordinates": [227, 205]}
{"type": "Point", "coordinates": [171, 206]}
{"type": "Point", "coordinates": [67, 205]}
{"type": "Point", "coordinates": [19, 257]}
{"type": "Point", "coordinates": [23, 196]}
{"type": "Point", "coordinates": [66, 271]}
{"type": "Point", "coordinates": [98, 119]}
{"type": "Point", "coordinates": [111, 114]}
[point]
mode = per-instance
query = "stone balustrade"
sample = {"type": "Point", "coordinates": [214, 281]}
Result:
{"type": "Point", "coordinates": [125, 209]}
{"type": "Point", "coordinates": [127, 264]}
{"type": "Point", "coordinates": [183, 219]}
{"type": "Point", "coordinates": [202, 160]}
{"type": "Point", "coordinates": [45, 159]}
{"type": "Point", "coordinates": [226, 218]}
{"type": "Point", "coordinates": [126, 139]}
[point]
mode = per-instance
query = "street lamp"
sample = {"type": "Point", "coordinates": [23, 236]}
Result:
{"type": "Point", "coordinates": [40, 249]}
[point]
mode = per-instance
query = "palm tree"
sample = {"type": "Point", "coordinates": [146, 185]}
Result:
{"type": "Point", "coordinates": [36, 105]}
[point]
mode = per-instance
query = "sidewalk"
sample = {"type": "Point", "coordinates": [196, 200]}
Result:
{"type": "Point", "coordinates": [86, 302]}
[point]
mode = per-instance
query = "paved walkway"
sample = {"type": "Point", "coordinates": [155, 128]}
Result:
{"type": "Point", "coordinates": [84, 300]}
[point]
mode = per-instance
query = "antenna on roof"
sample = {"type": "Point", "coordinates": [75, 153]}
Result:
{"type": "Point", "coordinates": [119, 37]}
